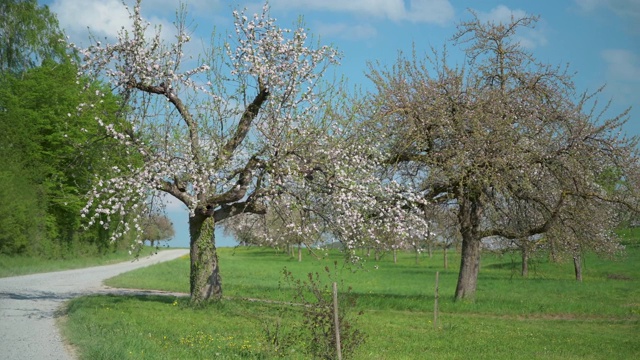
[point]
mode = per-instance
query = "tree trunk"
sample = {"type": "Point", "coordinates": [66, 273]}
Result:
{"type": "Point", "coordinates": [469, 218]}
{"type": "Point", "coordinates": [395, 256]}
{"type": "Point", "coordinates": [525, 261]}
{"type": "Point", "coordinates": [577, 264]}
{"type": "Point", "coordinates": [469, 269]}
{"type": "Point", "coordinates": [205, 278]}
{"type": "Point", "coordinates": [299, 252]}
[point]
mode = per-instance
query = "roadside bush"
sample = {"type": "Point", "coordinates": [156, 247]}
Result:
{"type": "Point", "coordinates": [315, 332]}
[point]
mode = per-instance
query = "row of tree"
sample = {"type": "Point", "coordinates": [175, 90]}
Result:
{"type": "Point", "coordinates": [50, 156]}
{"type": "Point", "coordinates": [502, 146]}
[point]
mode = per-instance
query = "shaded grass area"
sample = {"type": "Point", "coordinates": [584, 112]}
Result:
{"type": "Point", "coordinates": [547, 315]}
{"type": "Point", "coordinates": [23, 265]}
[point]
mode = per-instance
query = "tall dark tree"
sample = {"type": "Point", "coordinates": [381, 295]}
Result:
{"type": "Point", "coordinates": [29, 33]}
{"type": "Point", "coordinates": [506, 143]}
{"type": "Point", "coordinates": [22, 207]}
{"type": "Point", "coordinates": [54, 154]}
{"type": "Point", "coordinates": [48, 156]}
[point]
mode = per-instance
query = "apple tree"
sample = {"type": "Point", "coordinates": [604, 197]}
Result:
{"type": "Point", "coordinates": [504, 142]}
{"type": "Point", "coordinates": [223, 136]}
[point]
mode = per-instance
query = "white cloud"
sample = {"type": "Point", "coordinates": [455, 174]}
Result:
{"type": "Point", "coordinates": [622, 74]}
{"type": "Point", "coordinates": [588, 5]}
{"type": "Point", "coordinates": [345, 31]}
{"type": "Point", "coordinates": [501, 15]}
{"type": "Point", "coordinates": [170, 6]}
{"type": "Point", "coordinates": [104, 18]}
{"type": "Point", "coordinates": [527, 37]}
{"type": "Point", "coordinates": [429, 11]}
{"type": "Point", "coordinates": [623, 8]}
{"type": "Point", "coordinates": [622, 64]}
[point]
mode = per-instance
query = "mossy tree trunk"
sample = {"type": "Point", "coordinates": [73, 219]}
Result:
{"type": "Point", "coordinates": [205, 277]}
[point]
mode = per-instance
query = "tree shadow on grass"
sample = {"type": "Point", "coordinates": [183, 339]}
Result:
{"type": "Point", "coordinates": [112, 300]}
{"type": "Point", "coordinates": [162, 299]}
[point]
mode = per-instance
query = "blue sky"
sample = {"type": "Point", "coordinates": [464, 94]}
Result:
{"type": "Point", "coordinates": [598, 39]}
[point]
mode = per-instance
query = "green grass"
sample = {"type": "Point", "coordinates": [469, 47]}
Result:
{"type": "Point", "coordinates": [23, 265]}
{"type": "Point", "coordinates": [548, 315]}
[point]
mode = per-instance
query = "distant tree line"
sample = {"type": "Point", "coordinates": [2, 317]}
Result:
{"type": "Point", "coordinates": [156, 228]}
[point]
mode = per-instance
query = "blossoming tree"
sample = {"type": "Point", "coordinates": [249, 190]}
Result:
{"type": "Point", "coordinates": [223, 137]}
{"type": "Point", "coordinates": [506, 144]}
{"type": "Point", "coordinates": [342, 196]}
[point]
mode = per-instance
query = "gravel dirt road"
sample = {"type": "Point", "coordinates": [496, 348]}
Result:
{"type": "Point", "coordinates": [29, 304]}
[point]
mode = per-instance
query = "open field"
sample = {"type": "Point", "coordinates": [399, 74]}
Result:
{"type": "Point", "coordinates": [547, 315]}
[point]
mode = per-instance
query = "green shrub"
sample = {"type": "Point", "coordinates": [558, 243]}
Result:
{"type": "Point", "coordinates": [316, 332]}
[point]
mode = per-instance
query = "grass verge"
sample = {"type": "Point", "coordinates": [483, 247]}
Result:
{"type": "Point", "coordinates": [547, 315]}
{"type": "Point", "coordinates": [159, 327]}
{"type": "Point", "coordinates": [23, 265]}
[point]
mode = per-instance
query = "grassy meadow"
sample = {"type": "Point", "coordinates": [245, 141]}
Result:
{"type": "Point", "coordinates": [546, 316]}
{"type": "Point", "coordinates": [16, 265]}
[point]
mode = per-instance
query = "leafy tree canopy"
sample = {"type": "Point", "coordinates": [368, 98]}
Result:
{"type": "Point", "coordinates": [29, 33]}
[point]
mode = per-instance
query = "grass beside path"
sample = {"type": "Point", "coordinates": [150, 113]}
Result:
{"type": "Point", "coordinates": [161, 327]}
{"type": "Point", "coordinates": [547, 315]}
{"type": "Point", "coordinates": [23, 265]}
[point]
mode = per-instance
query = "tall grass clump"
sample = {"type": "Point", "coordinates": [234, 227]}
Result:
{"type": "Point", "coordinates": [317, 327]}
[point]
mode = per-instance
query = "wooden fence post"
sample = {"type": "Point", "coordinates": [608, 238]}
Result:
{"type": "Point", "coordinates": [435, 306]}
{"type": "Point", "coordinates": [336, 320]}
